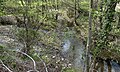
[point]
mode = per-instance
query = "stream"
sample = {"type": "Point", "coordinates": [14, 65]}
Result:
{"type": "Point", "coordinates": [73, 50]}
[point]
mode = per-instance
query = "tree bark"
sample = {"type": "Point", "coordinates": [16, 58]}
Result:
{"type": "Point", "coordinates": [89, 36]}
{"type": "Point", "coordinates": [100, 18]}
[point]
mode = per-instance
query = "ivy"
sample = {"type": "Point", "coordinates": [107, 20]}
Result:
{"type": "Point", "coordinates": [102, 41]}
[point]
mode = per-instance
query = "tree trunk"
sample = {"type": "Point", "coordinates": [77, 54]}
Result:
{"type": "Point", "coordinates": [102, 66]}
{"type": "Point", "coordinates": [89, 37]}
{"type": "Point", "coordinates": [109, 66]}
{"type": "Point", "coordinates": [118, 26]}
{"type": "Point", "coordinates": [100, 18]}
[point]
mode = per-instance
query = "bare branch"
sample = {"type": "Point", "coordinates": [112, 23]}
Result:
{"type": "Point", "coordinates": [32, 71]}
{"type": "Point", "coordinates": [43, 63]}
{"type": "Point", "coordinates": [5, 66]}
{"type": "Point", "coordinates": [34, 63]}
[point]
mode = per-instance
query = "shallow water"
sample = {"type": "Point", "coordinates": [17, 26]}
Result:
{"type": "Point", "coordinates": [78, 61]}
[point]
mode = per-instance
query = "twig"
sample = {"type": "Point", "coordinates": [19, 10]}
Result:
{"type": "Point", "coordinates": [5, 66]}
{"type": "Point", "coordinates": [32, 71]}
{"type": "Point", "coordinates": [34, 64]}
{"type": "Point", "coordinates": [43, 63]}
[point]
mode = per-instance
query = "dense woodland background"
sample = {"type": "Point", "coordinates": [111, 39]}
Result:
{"type": "Point", "coordinates": [59, 35]}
